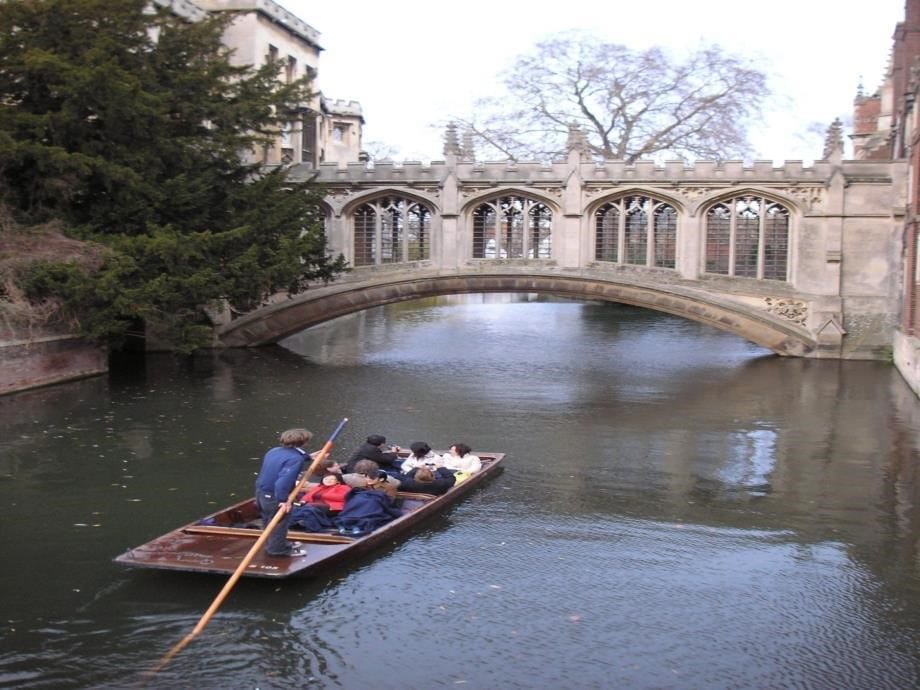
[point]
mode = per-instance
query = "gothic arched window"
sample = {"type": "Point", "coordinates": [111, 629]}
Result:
{"type": "Point", "coordinates": [512, 227]}
{"type": "Point", "coordinates": [748, 236]}
{"type": "Point", "coordinates": [391, 229]}
{"type": "Point", "coordinates": [636, 230]}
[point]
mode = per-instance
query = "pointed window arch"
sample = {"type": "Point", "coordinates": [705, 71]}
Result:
{"type": "Point", "coordinates": [638, 230]}
{"type": "Point", "coordinates": [748, 236]}
{"type": "Point", "coordinates": [391, 229]}
{"type": "Point", "coordinates": [512, 227]}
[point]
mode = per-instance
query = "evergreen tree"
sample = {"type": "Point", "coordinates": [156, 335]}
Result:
{"type": "Point", "coordinates": [129, 126]}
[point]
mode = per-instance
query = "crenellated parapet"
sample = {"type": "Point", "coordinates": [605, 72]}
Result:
{"type": "Point", "coordinates": [807, 186]}
{"type": "Point", "coordinates": [343, 107]}
{"type": "Point", "coordinates": [792, 172]}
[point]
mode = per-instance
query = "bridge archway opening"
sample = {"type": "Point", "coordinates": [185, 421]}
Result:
{"type": "Point", "coordinates": [278, 321]}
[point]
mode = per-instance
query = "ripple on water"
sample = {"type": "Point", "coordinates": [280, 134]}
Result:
{"type": "Point", "coordinates": [634, 599]}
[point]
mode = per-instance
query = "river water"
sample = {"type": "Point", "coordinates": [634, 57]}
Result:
{"type": "Point", "coordinates": [678, 509]}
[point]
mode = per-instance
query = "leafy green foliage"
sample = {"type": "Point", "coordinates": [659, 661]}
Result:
{"type": "Point", "coordinates": [129, 126]}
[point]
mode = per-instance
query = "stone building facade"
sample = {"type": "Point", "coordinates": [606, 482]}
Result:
{"type": "Point", "coordinates": [887, 126]}
{"type": "Point", "coordinates": [326, 129]}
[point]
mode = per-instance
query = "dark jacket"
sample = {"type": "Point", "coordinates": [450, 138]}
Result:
{"type": "Point", "coordinates": [366, 509]}
{"type": "Point", "coordinates": [310, 518]}
{"type": "Point", "coordinates": [386, 460]}
{"type": "Point", "coordinates": [278, 475]}
{"type": "Point", "coordinates": [443, 480]}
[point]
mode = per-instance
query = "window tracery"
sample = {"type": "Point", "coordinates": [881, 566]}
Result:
{"type": "Point", "coordinates": [748, 236]}
{"type": "Point", "coordinates": [638, 230]}
{"type": "Point", "coordinates": [512, 227]}
{"type": "Point", "coordinates": [391, 229]}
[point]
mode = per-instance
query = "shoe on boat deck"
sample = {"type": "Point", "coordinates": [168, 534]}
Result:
{"type": "Point", "coordinates": [293, 553]}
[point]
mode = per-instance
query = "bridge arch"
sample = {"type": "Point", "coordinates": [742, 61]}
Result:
{"type": "Point", "coordinates": [659, 195]}
{"type": "Point", "coordinates": [705, 201]}
{"type": "Point", "coordinates": [491, 194]}
{"type": "Point", "coordinates": [277, 321]}
{"type": "Point", "coordinates": [418, 196]}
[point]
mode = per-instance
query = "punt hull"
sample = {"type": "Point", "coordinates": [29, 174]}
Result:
{"type": "Point", "coordinates": [218, 543]}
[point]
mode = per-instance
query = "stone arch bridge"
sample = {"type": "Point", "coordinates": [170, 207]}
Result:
{"type": "Point", "coordinates": [803, 260]}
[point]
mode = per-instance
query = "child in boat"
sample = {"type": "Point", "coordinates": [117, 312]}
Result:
{"type": "Point", "coordinates": [460, 459]}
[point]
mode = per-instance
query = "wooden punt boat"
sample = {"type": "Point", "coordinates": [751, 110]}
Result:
{"type": "Point", "coordinates": [218, 542]}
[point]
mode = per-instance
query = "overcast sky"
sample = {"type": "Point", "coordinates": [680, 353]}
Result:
{"type": "Point", "coordinates": [412, 63]}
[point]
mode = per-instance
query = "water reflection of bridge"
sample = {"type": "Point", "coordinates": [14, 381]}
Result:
{"type": "Point", "coordinates": [802, 260]}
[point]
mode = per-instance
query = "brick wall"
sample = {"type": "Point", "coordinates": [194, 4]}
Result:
{"type": "Point", "coordinates": [43, 361]}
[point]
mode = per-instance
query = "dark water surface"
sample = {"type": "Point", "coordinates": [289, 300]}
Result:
{"type": "Point", "coordinates": [679, 509]}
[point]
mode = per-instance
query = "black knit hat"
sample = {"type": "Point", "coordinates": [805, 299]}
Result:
{"type": "Point", "coordinates": [376, 439]}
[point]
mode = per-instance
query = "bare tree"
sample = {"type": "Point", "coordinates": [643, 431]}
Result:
{"type": "Point", "coordinates": [630, 104]}
{"type": "Point", "coordinates": [380, 150]}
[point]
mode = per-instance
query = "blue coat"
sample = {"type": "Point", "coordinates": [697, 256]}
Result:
{"type": "Point", "coordinates": [280, 468]}
{"type": "Point", "coordinates": [311, 518]}
{"type": "Point", "coordinates": [366, 509]}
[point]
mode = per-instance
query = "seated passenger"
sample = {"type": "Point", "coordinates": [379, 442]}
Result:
{"type": "Point", "coordinates": [423, 480]}
{"type": "Point", "coordinates": [330, 492]}
{"type": "Point", "coordinates": [313, 510]}
{"type": "Point", "coordinates": [421, 456]}
{"type": "Point", "coordinates": [327, 467]}
{"type": "Point", "coordinates": [365, 469]}
{"type": "Point", "coordinates": [372, 449]}
{"type": "Point", "coordinates": [460, 459]}
{"type": "Point", "coordinates": [367, 508]}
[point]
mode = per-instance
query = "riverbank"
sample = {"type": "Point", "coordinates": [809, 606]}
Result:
{"type": "Point", "coordinates": [46, 360]}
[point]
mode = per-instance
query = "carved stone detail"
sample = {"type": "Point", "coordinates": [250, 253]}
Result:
{"type": "Point", "coordinates": [689, 193]}
{"type": "Point", "coordinates": [694, 193]}
{"type": "Point", "coordinates": [555, 192]}
{"type": "Point", "coordinates": [592, 192]}
{"type": "Point", "coordinates": [433, 190]}
{"type": "Point", "coordinates": [792, 309]}
{"type": "Point", "coordinates": [809, 196]}
{"type": "Point", "coordinates": [468, 192]}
